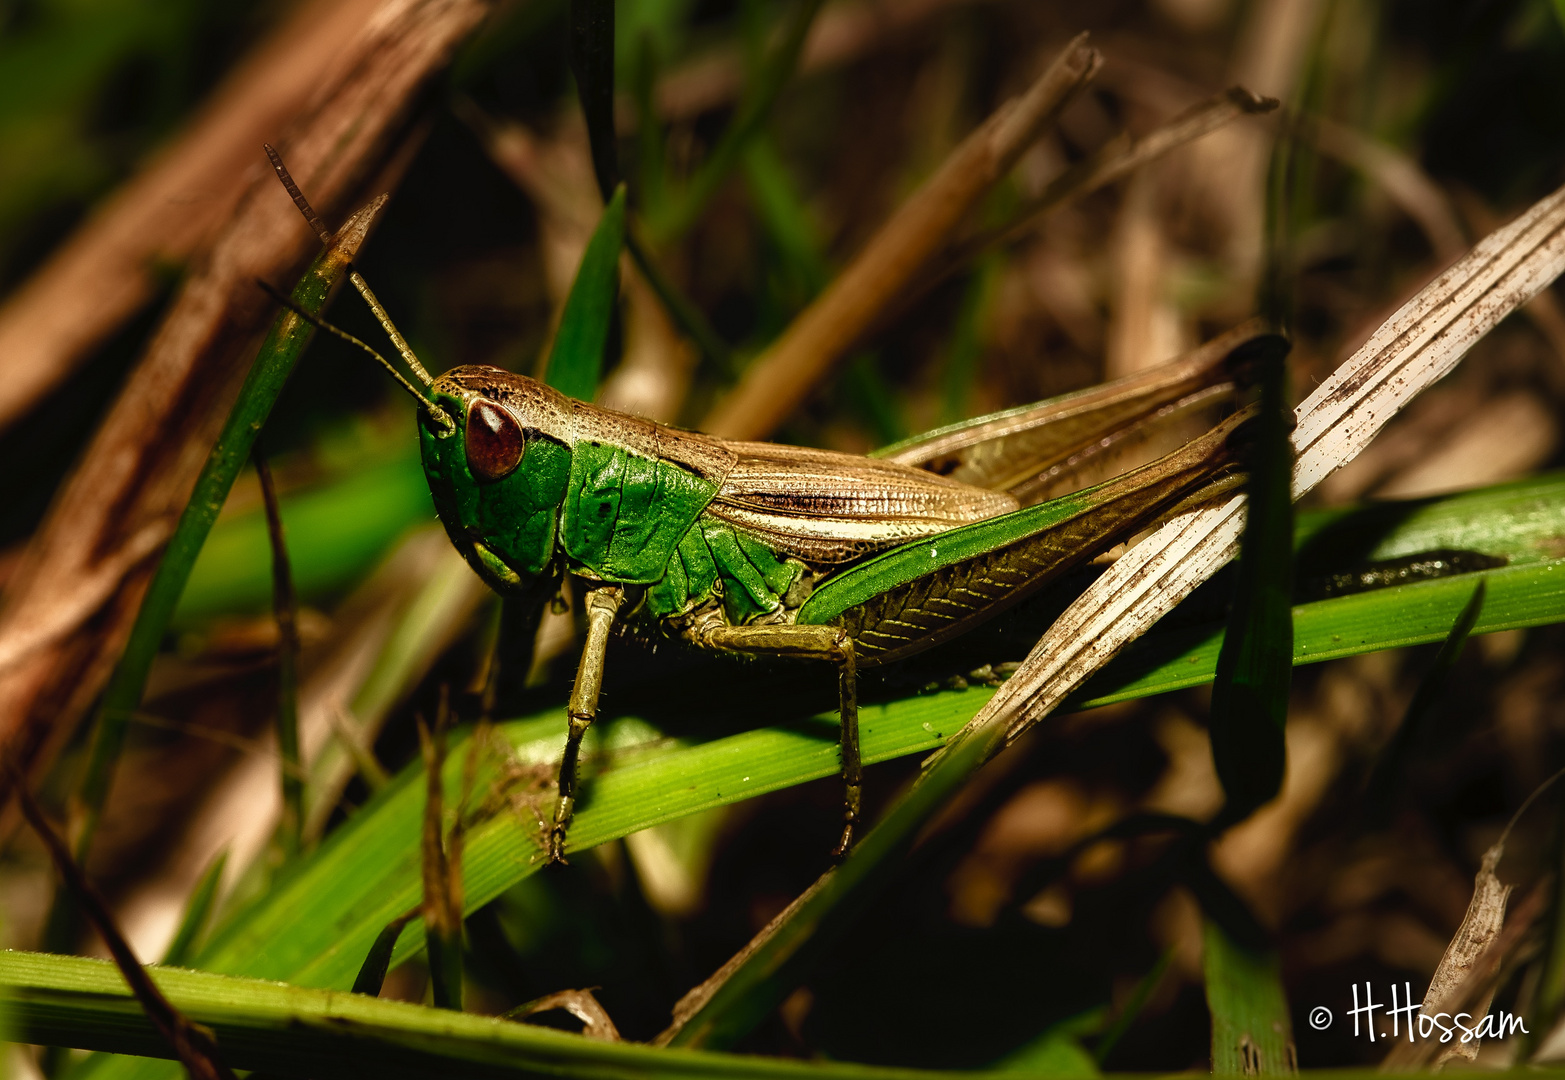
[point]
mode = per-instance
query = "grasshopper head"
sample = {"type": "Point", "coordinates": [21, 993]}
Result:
{"type": "Point", "coordinates": [498, 475]}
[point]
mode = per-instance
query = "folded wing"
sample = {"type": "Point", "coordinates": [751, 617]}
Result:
{"type": "Point", "coordinates": [828, 508]}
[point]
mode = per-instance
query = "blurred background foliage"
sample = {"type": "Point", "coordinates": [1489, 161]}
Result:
{"type": "Point", "coordinates": [1425, 123]}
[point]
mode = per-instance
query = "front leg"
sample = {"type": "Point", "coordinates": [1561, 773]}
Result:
{"type": "Point", "coordinates": [602, 605]}
{"type": "Point", "coordinates": [813, 643]}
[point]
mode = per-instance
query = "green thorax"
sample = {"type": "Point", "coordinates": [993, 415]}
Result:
{"type": "Point", "coordinates": [599, 493]}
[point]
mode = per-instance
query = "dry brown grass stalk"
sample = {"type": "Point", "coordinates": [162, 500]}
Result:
{"type": "Point", "coordinates": [138, 470]}
{"type": "Point", "coordinates": [780, 378]}
{"type": "Point", "coordinates": [169, 212]}
{"type": "Point", "coordinates": [193, 1045]}
{"type": "Point", "coordinates": [1119, 158]}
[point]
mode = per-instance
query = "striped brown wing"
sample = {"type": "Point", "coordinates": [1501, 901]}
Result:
{"type": "Point", "coordinates": [951, 600]}
{"type": "Point", "coordinates": [1039, 451]}
{"type": "Point", "coordinates": [828, 508]}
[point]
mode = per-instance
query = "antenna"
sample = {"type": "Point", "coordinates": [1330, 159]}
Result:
{"type": "Point", "coordinates": [390, 327]}
{"type": "Point", "coordinates": [298, 196]}
{"type": "Point", "coordinates": [403, 348]}
{"type": "Point", "coordinates": [436, 413]}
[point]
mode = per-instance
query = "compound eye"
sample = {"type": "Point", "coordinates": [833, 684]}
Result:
{"type": "Point", "coordinates": [494, 441]}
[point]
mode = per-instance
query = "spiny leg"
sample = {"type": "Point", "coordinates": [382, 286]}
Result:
{"type": "Point", "coordinates": [602, 605]}
{"type": "Point", "coordinates": [813, 643]}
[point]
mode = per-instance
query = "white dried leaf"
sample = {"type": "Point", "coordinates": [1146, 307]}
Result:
{"type": "Point", "coordinates": [1416, 347]}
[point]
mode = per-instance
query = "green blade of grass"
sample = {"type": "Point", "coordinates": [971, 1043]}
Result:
{"type": "Point", "coordinates": [1057, 1053]}
{"type": "Point", "coordinates": [336, 534]}
{"type": "Point", "coordinates": [285, 612]}
{"type": "Point", "coordinates": [300, 1032]}
{"type": "Point", "coordinates": [1255, 664]}
{"type": "Point", "coordinates": [576, 361]}
{"type": "Point", "coordinates": [781, 211]}
{"type": "Point", "coordinates": [281, 350]}
{"type": "Point", "coordinates": [683, 208]}
{"type": "Point", "coordinates": [592, 62]}
{"type": "Point", "coordinates": [296, 1031]}
{"type": "Point", "coordinates": [1384, 781]}
{"type": "Point", "coordinates": [964, 350]}
{"type": "Point", "coordinates": [198, 909]}
{"type": "Point", "coordinates": [319, 921]}
{"type": "Point", "coordinates": [691, 319]}
{"type": "Point", "coordinates": [1126, 1016]}
{"type": "Point", "coordinates": [421, 630]}
{"type": "Point", "coordinates": [789, 226]}
{"type": "Point", "coordinates": [1420, 614]}
{"type": "Point", "coordinates": [651, 142]}
{"type": "Point", "coordinates": [372, 973]}
{"type": "Point", "coordinates": [743, 992]}
{"type": "Point", "coordinates": [1251, 1031]}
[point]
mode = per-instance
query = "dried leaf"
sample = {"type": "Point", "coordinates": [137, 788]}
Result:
{"type": "Point", "coordinates": [194, 1046]}
{"type": "Point", "coordinates": [129, 482]}
{"type": "Point", "coordinates": [1484, 949]}
{"type": "Point", "coordinates": [167, 213]}
{"type": "Point", "coordinates": [1480, 926]}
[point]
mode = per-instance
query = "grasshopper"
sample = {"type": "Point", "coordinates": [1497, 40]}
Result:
{"type": "Point", "coordinates": [760, 549]}
{"type": "Point", "coordinates": [755, 549]}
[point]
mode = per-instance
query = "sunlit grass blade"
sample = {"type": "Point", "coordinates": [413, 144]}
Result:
{"type": "Point", "coordinates": [279, 353]}
{"type": "Point", "coordinates": [1255, 665]}
{"type": "Point", "coordinates": [576, 361]}
{"type": "Point", "coordinates": [1251, 1029]}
